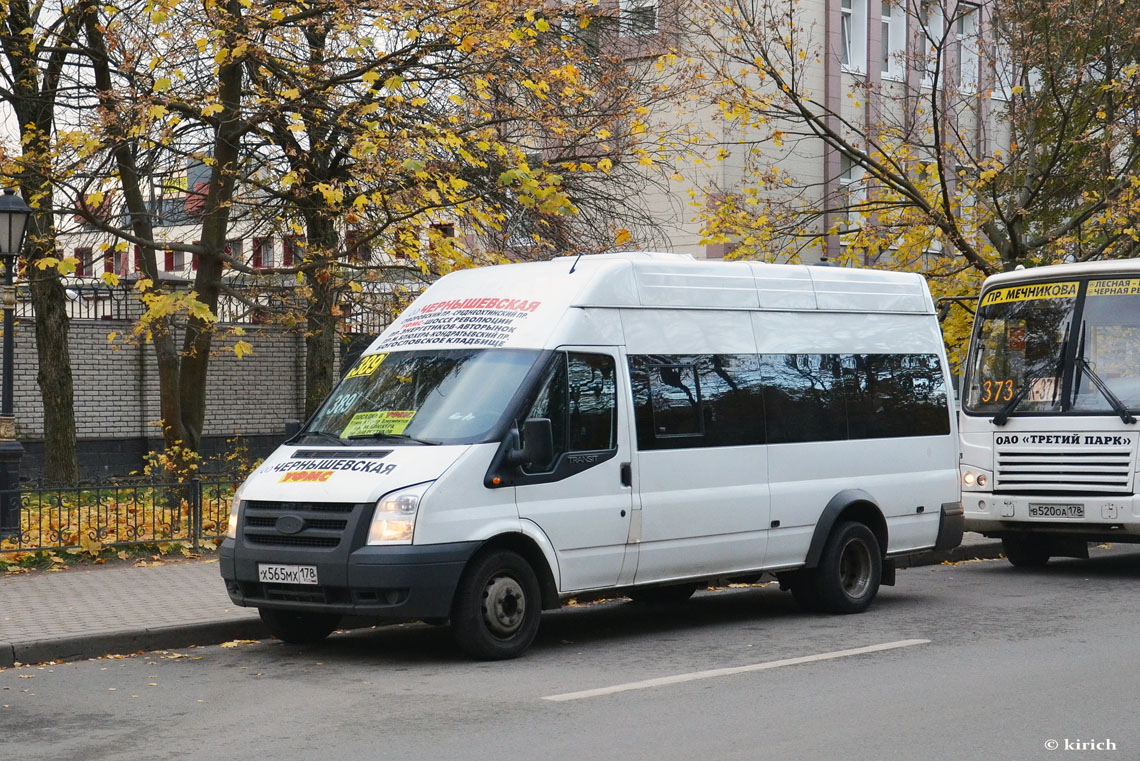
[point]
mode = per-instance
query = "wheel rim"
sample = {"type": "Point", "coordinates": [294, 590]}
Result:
{"type": "Point", "coordinates": [504, 605]}
{"type": "Point", "coordinates": [855, 568]}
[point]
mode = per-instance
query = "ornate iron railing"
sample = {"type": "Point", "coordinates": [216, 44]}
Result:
{"type": "Point", "coordinates": [89, 518]}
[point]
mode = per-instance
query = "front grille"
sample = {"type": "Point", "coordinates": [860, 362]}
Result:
{"type": "Point", "coordinates": [321, 525]}
{"type": "Point", "coordinates": [295, 593]}
{"type": "Point", "coordinates": [1025, 468]}
{"type": "Point", "coordinates": [278, 540]}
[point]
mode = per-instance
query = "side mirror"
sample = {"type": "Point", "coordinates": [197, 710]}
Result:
{"type": "Point", "coordinates": [538, 448]}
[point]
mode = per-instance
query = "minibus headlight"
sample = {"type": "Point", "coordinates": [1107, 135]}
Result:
{"type": "Point", "coordinates": [235, 506]}
{"type": "Point", "coordinates": [394, 520]}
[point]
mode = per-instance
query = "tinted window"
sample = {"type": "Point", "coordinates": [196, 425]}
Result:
{"type": "Point", "coordinates": [785, 398]}
{"type": "Point", "coordinates": [895, 395]}
{"type": "Point", "coordinates": [593, 402]}
{"type": "Point", "coordinates": [550, 403]}
{"type": "Point", "coordinates": [732, 393]}
{"type": "Point", "coordinates": [804, 397]}
{"type": "Point", "coordinates": [579, 397]}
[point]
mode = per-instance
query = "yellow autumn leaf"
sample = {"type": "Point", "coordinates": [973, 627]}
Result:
{"type": "Point", "coordinates": [110, 278]}
{"type": "Point", "coordinates": [623, 236]}
{"type": "Point", "coordinates": [210, 110]}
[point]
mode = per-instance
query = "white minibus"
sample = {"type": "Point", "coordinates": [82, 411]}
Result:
{"type": "Point", "coordinates": [637, 423]}
{"type": "Point", "coordinates": [1048, 432]}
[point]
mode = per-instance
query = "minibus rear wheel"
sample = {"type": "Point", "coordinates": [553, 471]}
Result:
{"type": "Point", "coordinates": [298, 628]}
{"type": "Point", "coordinates": [849, 571]}
{"type": "Point", "coordinates": [497, 606]}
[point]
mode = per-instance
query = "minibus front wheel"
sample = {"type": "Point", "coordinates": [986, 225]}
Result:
{"type": "Point", "coordinates": [497, 606]}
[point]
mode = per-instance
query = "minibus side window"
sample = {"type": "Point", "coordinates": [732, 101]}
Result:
{"type": "Point", "coordinates": [593, 402]}
{"type": "Point", "coordinates": [676, 400]}
{"type": "Point", "coordinates": [804, 399]}
{"type": "Point", "coordinates": [895, 395]}
{"type": "Point", "coordinates": [579, 397]}
{"type": "Point", "coordinates": [551, 404]}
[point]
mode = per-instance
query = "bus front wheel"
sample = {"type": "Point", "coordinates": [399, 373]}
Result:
{"type": "Point", "coordinates": [1025, 551]}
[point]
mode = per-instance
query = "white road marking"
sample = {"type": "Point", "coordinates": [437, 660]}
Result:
{"type": "Point", "coordinates": [712, 673]}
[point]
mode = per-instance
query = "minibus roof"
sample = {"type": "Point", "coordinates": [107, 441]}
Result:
{"type": "Point", "coordinates": [519, 305]}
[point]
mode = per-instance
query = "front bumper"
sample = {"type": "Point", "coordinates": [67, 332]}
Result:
{"type": "Point", "coordinates": [1106, 518]}
{"type": "Point", "coordinates": [391, 583]}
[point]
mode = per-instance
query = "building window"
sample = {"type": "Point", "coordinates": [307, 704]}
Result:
{"type": "Point", "coordinates": [83, 262]}
{"type": "Point", "coordinates": [174, 261]}
{"type": "Point", "coordinates": [262, 252]}
{"type": "Point", "coordinates": [894, 39]}
{"type": "Point", "coordinates": [405, 244]}
{"type": "Point", "coordinates": [853, 34]}
{"type": "Point", "coordinates": [967, 33]}
{"type": "Point", "coordinates": [291, 249]}
{"type": "Point", "coordinates": [439, 233]}
{"type": "Point", "coordinates": [638, 17]}
{"type": "Point", "coordinates": [357, 247]}
{"type": "Point", "coordinates": [931, 39]}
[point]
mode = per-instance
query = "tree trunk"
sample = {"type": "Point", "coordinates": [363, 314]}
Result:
{"type": "Point", "coordinates": [166, 354]}
{"type": "Point", "coordinates": [215, 228]}
{"type": "Point", "coordinates": [61, 463]}
{"type": "Point", "coordinates": [320, 332]}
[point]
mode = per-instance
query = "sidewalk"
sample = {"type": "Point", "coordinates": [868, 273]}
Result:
{"type": "Point", "coordinates": [86, 613]}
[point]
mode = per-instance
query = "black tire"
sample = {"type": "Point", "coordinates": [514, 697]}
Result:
{"type": "Point", "coordinates": [849, 571]}
{"type": "Point", "coordinates": [668, 595]}
{"type": "Point", "coordinates": [1025, 551]}
{"type": "Point", "coordinates": [298, 628]}
{"type": "Point", "coordinates": [497, 607]}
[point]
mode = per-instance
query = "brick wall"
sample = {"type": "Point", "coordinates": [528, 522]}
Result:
{"type": "Point", "coordinates": [116, 386]}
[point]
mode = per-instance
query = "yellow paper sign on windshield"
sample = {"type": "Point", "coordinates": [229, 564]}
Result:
{"type": "Point", "coordinates": [366, 366]}
{"type": "Point", "coordinates": [1119, 287]}
{"type": "Point", "coordinates": [381, 421]}
{"type": "Point", "coordinates": [1030, 292]}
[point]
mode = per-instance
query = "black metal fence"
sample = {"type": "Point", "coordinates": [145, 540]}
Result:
{"type": "Point", "coordinates": [89, 518]}
{"type": "Point", "coordinates": [365, 312]}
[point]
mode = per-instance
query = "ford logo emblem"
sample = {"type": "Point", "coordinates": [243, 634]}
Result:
{"type": "Point", "coordinates": [290, 524]}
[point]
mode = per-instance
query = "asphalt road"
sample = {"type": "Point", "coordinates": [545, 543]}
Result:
{"type": "Point", "coordinates": [973, 661]}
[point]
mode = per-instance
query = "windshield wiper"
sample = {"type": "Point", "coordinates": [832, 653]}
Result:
{"type": "Point", "coordinates": [1117, 405]}
{"type": "Point", "coordinates": [320, 434]}
{"type": "Point", "coordinates": [395, 437]}
{"type": "Point", "coordinates": [1019, 397]}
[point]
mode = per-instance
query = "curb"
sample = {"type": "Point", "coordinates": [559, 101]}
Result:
{"type": "Point", "coordinates": [988, 550]}
{"type": "Point", "coordinates": [82, 646]}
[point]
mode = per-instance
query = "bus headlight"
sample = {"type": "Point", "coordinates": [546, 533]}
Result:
{"type": "Point", "coordinates": [394, 519]}
{"type": "Point", "coordinates": [975, 479]}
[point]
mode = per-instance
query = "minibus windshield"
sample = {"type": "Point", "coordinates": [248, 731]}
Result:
{"type": "Point", "coordinates": [422, 397]}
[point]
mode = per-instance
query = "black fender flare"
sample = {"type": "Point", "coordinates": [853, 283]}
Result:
{"type": "Point", "coordinates": [835, 507]}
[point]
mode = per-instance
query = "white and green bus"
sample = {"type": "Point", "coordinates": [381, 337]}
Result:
{"type": "Point", "coordinates": [1050, 394]}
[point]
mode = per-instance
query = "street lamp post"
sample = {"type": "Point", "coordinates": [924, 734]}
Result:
{"type": "Point", "coordinates": [14, 214]}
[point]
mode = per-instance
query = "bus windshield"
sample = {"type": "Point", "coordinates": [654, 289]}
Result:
{"type": "Point", "coordinates": [1061, 347]}
{"type": "Point", "coordinates": [424, 397]}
